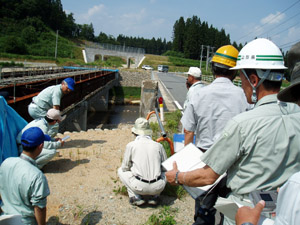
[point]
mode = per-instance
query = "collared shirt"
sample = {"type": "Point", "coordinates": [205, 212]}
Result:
{"type": "Point", "coordinates": [210, 109]}
{"type": "Point", "coordinates": [22, 187]}
{"type": "Point", "coordinates": [45, 127]}
{"type": "Point", "coordinates": [197, 85]}
{"type": "Point", "coordinates": [288, 202]}
{"type": "Point", "coordinates": [259, 149]}
{"type": "Point", "coordinates": [48, 97]}
{"type": "Point", "coordinates": [143, 157]}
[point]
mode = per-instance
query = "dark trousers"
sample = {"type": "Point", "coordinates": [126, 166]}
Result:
{"type": "Point", "coordinates": [204, 204]}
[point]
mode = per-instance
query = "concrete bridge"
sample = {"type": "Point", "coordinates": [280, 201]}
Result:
{"type": "Point", "coordinates": [93, 51]}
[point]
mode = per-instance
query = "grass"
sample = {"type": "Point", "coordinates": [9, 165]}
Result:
{"type": "Point", "coordinates": [109, 61]}
{"type": "Point", "coordinates": [165, 216]}
{"type": "Point", "coordinates": [176, 64]}
{"type": "Point", "coordinates": [121, 190]}
{"type": "Point", "coordinates": [131, 93]}
{"type": "Point", "coordinates": [171, 127]}
{"type": "Point", "coordinates": [285, 84]}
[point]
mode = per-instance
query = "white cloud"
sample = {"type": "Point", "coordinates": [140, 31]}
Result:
{"type": "Point", "coordinates": [273, 18]}
{"type": "Point", "coordinates": [138, 16]}
{"type": "Point", "coordinates": [92, 12]}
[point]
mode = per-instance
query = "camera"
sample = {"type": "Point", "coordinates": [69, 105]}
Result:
{"type": "Point", "coordinates": [270, 198]}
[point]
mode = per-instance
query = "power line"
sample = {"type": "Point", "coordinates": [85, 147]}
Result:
{"type": "Point", "coordinates": [297, 14]}
{"type": "Point", "coordinates": [285, 29]}
{"type": "Point", "coordinates": [269, 20]}
{"type": "Point", "coordinates": [288, 44]}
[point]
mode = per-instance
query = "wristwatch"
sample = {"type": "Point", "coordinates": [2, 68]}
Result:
{"type": "Point", "coordinates": [176, 177]}
{"type": "Point", "coordinates": [247, 223]}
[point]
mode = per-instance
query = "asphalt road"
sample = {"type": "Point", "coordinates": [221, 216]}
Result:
{"type": "Point", "coordinates": [175, 84]}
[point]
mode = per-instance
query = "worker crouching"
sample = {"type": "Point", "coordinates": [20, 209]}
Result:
{"type": "Point", "coordinates": [141, 170]}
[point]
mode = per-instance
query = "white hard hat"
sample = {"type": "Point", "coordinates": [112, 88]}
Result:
{"type": "Point", "coordinates": [260, 53]}
{"type": "Point", "coordinates": [194, 71]}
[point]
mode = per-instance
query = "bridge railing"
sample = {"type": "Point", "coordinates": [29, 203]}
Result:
{"type": "Point", "coordinates": [118, 48]}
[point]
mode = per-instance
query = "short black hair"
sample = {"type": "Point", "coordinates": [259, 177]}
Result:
{"type": "Point", "coordinates": [49, 120]}
{"type": "Point", "coordinates": [268, 84]}
{"type": "Point", "coordinates": [222, 71]}
{"type": "Point", "coordinates": [29, 149]}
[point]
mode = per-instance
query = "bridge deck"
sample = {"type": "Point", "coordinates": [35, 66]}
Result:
{"type": "Point", "coordinates": [21, 88]}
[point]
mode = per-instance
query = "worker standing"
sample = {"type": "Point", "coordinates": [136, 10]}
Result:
{"type": "Point", "coordinates": [207, 113]}
{"type": "Point", "coordinates": [193, 82]}
{"type": "Point", "coordinates": [259, 148]}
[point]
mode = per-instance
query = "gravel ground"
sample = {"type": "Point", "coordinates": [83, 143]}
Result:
{"type": "Point", "coordinates": [83, 177]}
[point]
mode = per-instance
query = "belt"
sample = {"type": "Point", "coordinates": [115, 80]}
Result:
{"type": "Point", "coordinates": [202, 150]}
{"type": "Point", "coordinates": [148, 181]}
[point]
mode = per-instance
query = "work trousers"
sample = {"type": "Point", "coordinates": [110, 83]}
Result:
{"type": "Point", "coordinates": [44, 157]}
{"type": "Point", "coordinates": [204, 204]}
{"type": "Point", "coordinates": [136, 187]}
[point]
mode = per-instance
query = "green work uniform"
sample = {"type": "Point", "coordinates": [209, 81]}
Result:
{"type": "Point", "coordinates": [259, 149]}
{"type": "Point", "coordinates": [22, 187]}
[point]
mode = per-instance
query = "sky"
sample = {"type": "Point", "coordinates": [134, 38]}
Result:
{"type": "Point", "coordinates": [243, 20]}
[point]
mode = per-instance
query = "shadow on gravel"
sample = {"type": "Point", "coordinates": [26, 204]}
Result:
{"type": "Point", "coordinates": [63, 165]}
{"type": "Point", "coordinates": [92, 218]}
{"type": "Point", "coordinates": [167, 200]}
{"type": "Point", "coordinates": [83, 143]}
{"type": "Point", "coordinates": [54, 220]}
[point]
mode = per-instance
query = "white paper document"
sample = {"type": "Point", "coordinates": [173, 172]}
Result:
{"type": "Point", "coordinates": [188, 159]}
{"type": "Point", "coordinates": [229, 208]}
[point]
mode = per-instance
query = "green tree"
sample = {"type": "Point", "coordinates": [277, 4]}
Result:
{"type": "Point", "coordinates": [192, 38]}
{"type": "Point", "coordinates": [178, 35]}
{"type": "Point", "coordinates": [29, 35]}
{"type": "Point", "coordinates": [86, 32]}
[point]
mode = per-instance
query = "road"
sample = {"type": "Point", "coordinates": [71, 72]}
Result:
{"type": "Point", "coordinates": [175, 85]}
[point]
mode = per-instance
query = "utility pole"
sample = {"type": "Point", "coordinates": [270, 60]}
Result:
{"type": "Point", "coordinates": [56, 43]}
{"type": "Point", "coordinates": [201, 56]}
{"type": "Point", "coordinates": [207, 55]}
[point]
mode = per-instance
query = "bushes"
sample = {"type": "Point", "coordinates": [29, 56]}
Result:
{"type": "Point", "coordinates": [13, 44]}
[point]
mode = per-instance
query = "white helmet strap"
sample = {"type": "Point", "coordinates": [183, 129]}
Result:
{"type": "Point", "coordinates": [263, 75]}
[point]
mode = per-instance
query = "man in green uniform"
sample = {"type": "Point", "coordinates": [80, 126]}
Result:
{"type": "Point", "coordinates": [287, 206]}
{"type": "Point", "coordinates": [258, 149]}
{"type": "Point", "coordinates": [23, 187]}
{"type": "Point", "coordinates": [49, 98]}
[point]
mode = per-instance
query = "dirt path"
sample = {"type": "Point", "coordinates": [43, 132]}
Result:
{"type": "Point", "coordinates": [83, 178]}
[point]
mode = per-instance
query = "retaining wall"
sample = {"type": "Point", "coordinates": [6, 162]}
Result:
{"type": "Point", "coordinates": [135, 78]}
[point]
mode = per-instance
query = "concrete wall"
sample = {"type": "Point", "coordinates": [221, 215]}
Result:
{"type": "Point", "coordinates": [149, 95]}
{"type": "Point", "coordinates": [130, 78]}
{"type": "Point", "coordinates": [90, 54]}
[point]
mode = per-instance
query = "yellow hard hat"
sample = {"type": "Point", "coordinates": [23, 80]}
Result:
{"type": "Point", "coordinates": [226, 55]}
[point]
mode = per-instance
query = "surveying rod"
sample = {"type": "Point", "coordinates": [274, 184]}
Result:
{"type": "Point", "coordinates": [163, 133]}
{"type": "Point", "coordinates": [161, 108]}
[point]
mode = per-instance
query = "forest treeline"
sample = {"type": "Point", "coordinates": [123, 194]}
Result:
{"type": "Point", "coordinates": [30, 26]}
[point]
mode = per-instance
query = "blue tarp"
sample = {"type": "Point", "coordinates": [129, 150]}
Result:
{"type": "Point", "coordinates": [11, 123]}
